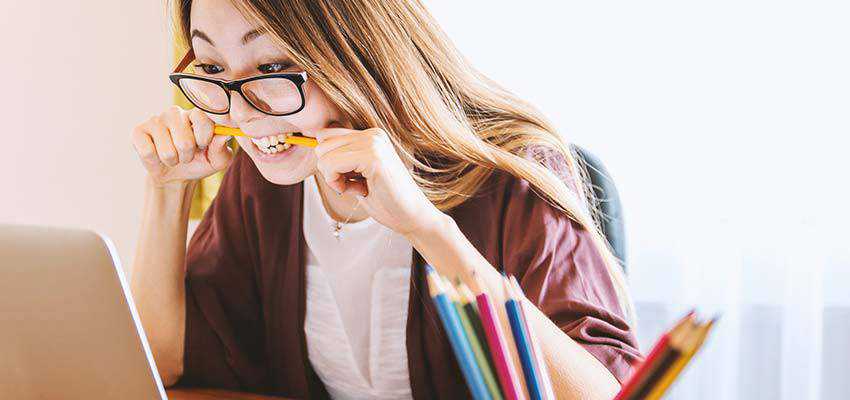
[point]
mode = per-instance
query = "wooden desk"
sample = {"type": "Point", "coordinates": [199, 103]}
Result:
{"type": "Point", "coordinates": [214, 394]}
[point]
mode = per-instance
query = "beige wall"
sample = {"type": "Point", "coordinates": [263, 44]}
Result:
{"type": "Point", "coordinates": [77, 76]}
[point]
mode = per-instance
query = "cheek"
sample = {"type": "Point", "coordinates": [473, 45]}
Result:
{"type": "Point", "coordinates": [219, 119]}
{"type": "Point", "coordinates": [318, 110]}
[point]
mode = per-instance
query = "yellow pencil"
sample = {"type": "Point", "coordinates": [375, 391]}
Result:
{"type": "Point", "coordinates": [295, 140]}
{"type": "Point", "coordinates": [691, 347]}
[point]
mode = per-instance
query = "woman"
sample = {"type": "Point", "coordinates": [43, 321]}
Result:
{"type": "Point", "coordinates": [305, 281]}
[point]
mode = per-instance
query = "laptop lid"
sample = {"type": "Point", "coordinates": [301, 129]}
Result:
{"type": "Point", "coordinates": [68, 326]}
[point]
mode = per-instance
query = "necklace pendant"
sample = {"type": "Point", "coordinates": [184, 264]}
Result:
{"type": "Point", "coordinates": [336, 230]}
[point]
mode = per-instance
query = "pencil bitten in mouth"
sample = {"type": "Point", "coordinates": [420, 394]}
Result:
{"type": "Point", "coordinates": [274, 143]}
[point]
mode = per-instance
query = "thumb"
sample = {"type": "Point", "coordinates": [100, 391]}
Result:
{"type": "Point", "coordinates": [219, 154]}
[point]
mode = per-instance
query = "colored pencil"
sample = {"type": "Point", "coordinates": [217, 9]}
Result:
{"type": "Point", "coordinates": [296, 140]}
{"type": "Point", "coordinates": [673, 351]}
{"type": "Point", "coordinates": [521, 340]}
{"type": "Point", "coordinates": [475, 344]}
{"type": "Point", "coordinates": [499, 348]}
{"type": "Point", "coordinates": [642, 371]}
{"type": "Point", "coordinates": [540, 360]}
{"type": "Point", "coordinates": [467, 300]}
{"type": "Point", "coordinates": [454, 331]}
{"type": "Point", "coordinates": [505, 323]}
{"type": "Point", "coordinates": [691, 348]}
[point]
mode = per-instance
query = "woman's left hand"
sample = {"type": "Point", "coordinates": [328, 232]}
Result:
{"type": "Point", "coordinates": [389, 193]}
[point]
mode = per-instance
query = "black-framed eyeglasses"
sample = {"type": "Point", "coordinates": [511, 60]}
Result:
{"type": "Point", "coordinates": [276, 94]}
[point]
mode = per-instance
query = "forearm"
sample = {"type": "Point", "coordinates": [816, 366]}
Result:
{"type": "Point", "coordinates": [158, 273]}
{"type": "Point", "coordinates": [575, 373]}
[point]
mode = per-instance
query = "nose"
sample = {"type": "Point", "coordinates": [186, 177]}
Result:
{"type": "Point", "coordinates": [241, 111]}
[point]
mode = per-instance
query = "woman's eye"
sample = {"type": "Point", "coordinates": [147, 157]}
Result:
{"type": "Point", "coordinates": [272, 68]}
{"type": "Point", "coordinates": [210, 69]}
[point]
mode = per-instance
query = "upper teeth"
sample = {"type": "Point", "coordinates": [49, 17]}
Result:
{"type": "Point", "coordinates": [272, 144]}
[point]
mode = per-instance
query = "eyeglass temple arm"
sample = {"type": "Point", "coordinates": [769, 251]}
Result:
{"type": "Point", "coordinates": [184, 62]}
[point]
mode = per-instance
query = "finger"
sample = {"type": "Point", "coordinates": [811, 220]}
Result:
{"type": "Point", "coordinates": [331, 175]}
{"type": "Point", "coordinates": [202, 127]}
{"type": "Point", "coordinates": [346, 143]}
{"type": "Point", "coordinates": [327, 133]}
{"type": "Point", "coordinates": [162, 141]}
{"type": "Point", "coordinates": [332, 179]}
{"type": "Point", "coordinates": [219, 153]}
{"type": "Point", "coordinates": [143, 143]}
{"type": "Point", "coordinates": [181, 133]}
{"type": "Point", "coordinates": [339, 169]}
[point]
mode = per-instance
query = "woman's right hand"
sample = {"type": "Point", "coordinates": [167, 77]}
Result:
{"type": "Point", "coordinates": [178, 146]}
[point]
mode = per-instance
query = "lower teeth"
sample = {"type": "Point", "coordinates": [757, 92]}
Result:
{"type": "Point", "coordinates": [275, 149]}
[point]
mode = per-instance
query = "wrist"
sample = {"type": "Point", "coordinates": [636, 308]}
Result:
{"type": "Point", "coordinates": [439, 223]}
{"type": "Point", "coordinates": [175, 188]}
{"type": "Point", "coordinates": [446, 248]}
{"type": "Point", "coordinates": [172, 197]}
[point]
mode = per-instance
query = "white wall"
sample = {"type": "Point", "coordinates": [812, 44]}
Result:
{"type": "Point", "coordinates": [715, 117]}
{"type": "Point", "coordinates": [77, 76]}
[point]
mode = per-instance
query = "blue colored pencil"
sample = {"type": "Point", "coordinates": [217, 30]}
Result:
{"type": "Point", "coordinates": [545, 381]}
{"type": "Point", "coordinates": [451, 323]}
{"type": "Point", "coordinates": [523, 343]}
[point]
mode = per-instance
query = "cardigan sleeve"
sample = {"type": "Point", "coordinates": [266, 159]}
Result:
{"type": "Point", "coordinates": [562, 273]}
{"type": "Point", "coordinates": [223, 345]}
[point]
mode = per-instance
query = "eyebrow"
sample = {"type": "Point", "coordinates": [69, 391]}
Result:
{"type": "Point", "coordinates": [251, 35]}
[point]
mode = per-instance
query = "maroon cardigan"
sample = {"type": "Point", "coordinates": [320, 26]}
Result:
{"type": "Point", "coordinates": [245, 288]}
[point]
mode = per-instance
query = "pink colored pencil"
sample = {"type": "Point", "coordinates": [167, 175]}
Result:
{"type": "Point", "coordinates": [498, 349]}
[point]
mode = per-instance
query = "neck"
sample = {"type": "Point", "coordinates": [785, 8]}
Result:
{"type": "Point", "coordinates": [341, 207]}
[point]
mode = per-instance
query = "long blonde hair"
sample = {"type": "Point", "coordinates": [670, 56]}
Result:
{"type": "Point", "coordinates": [387, 64]}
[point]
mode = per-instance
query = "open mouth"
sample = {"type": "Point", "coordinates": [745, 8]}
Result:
{"type": "Point", "coordinates": [275, 143]}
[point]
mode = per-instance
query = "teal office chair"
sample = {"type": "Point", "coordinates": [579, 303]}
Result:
{"type": "Point", "coordinates": [607, 201]}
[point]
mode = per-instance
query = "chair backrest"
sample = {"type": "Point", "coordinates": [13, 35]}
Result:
{"type": "Point", "coordinates": [607, 202]}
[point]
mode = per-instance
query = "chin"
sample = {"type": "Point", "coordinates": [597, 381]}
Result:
{"type": "Point", "coordinates": [282, 177]}
{"type": "Point", "coordinates": [286, 167]}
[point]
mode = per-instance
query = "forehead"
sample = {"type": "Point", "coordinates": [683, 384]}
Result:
{"type": "Point", "coordinates": [221, 22]}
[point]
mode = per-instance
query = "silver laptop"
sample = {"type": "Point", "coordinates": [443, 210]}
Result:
{"type": "Point", "coordinates": [68, 326]}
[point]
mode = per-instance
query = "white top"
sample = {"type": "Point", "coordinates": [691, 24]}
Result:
{"type": "Point", "coordinates": [357, 298]}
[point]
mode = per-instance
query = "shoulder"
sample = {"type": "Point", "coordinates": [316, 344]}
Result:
{"type": "Point", "coordinates": [513, 198]}
{"type": "Point", "coordinates": [508, 218]}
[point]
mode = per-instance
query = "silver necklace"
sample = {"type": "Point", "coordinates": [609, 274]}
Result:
{"type": "Point", "coordinates": [336, 226]}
